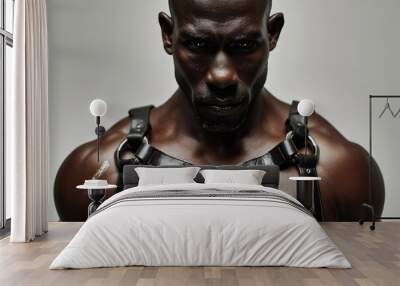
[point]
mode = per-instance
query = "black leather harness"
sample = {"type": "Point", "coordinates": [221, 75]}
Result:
{"type": "Point", "coordinates": [285, 154]}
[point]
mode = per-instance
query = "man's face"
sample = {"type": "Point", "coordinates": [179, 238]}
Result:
{"type": "Point", "coordinates": [220, 50]}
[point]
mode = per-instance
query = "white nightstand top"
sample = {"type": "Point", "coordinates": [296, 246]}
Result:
{"type": "Point", "coordinates": [86, 187]}
{"type": "Point", "coordinates": [305, 178]}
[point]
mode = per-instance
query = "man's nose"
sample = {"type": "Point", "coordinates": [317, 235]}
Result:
{"type": "Point", "coordinates": [222, 73]}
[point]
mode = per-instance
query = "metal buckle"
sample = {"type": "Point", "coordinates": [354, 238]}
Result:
{"type": "Point", "coordinates": [122, 147]}
{"type": "Point", "coordinates": [290, 135]}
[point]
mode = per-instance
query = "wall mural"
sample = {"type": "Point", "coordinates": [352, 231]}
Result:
{"type": "Point", "coordinates": [221, 114]}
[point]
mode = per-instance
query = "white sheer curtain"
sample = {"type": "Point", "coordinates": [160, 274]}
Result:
{"type": "Point", "coordinates": [27, 139]}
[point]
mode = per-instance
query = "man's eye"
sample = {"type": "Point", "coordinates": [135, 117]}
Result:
{"type": "Point", "coordinates": [196, 45]}
{"type": "Point", "coordinates": [244, 46]}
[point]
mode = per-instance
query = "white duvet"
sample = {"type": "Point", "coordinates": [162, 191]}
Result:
{"type": "Point", "coordinates": [203, 231]}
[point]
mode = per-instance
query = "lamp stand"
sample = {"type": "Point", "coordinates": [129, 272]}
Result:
{"type": "Point", "coordinates": [305, 133]}
{"type": "Point", "coordinates": [100, 130]}
{"type": "Point", "coordinates": [98, 138]}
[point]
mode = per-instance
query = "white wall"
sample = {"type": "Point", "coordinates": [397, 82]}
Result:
{"type": "Point", "coordinates": [334, 52]}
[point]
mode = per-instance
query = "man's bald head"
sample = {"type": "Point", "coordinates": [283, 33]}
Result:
{"type": "Point", "coordinates": [173, 4]}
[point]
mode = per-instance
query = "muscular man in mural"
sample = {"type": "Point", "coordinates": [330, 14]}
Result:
{"type": "Point", "coordinates": [222, 114]}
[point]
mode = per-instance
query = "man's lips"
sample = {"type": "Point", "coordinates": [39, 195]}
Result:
{"type": "Point", "coordinates": [223, 107]}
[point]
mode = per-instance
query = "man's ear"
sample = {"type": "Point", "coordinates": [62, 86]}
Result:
{"type": "Point", "coordinates": [275, 25]}
{"type": "Point", "coordinates": [167, 28]}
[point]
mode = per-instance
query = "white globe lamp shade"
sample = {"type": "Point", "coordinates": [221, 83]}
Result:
{"type": "Point", "coordinates": [98, 107]}
{"type": "Point", "coordinates": [306, 107]}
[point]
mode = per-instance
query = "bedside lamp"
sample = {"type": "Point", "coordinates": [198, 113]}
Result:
{"type": "Point", "coordinates": [306, 108]}
{"type": "Point", "coordinates": [95, 187]}
{"type": "Point", "coordinates": [98, 108]}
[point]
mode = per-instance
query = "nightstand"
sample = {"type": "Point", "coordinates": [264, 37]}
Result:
{"type": "Point", "coordinates": [305, 191]}
{"type": "Point", "coordinates": [96, 194]}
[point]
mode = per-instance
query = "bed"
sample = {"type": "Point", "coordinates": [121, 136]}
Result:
{"type": "Point", "coordinates": [201, 224]}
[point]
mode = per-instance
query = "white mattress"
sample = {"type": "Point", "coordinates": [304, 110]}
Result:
{"type": "Point", "coordinates": [201, 231]}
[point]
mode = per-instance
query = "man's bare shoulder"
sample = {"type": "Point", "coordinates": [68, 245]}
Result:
{"type": "Point", "coordinates": [345, 169]}
{"type": "Point", "coordinates": [120, 127]}
{"type": "Point", "coordinates": [333, 145]}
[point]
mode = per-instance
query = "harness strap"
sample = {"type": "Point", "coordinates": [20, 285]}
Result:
{"type": "Point", "coordinates": [140, 125]}
{"type": "Point", "coordinates": [283, 153]}
{"type": "Point", "coordinates": [307, 166]}
{"type": "Point", "coordinates": [139, 128]}
{"type": "Point", "coordinates": [297, 124]}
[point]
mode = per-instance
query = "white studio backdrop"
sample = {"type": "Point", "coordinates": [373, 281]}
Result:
{"type": "Point", "coordinates": [336, 53]}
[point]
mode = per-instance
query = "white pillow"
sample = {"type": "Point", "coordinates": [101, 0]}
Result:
{"type": "Point", "coordinates": [248, 177]}
{"type": "Point", "coordinates": [162, 176]}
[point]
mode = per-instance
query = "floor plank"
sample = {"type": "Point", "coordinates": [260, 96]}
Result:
{"type": "Point", "coordinates": [375, 257]}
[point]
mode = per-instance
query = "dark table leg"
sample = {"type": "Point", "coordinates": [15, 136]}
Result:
{"type": "Point", "coordinates": [97, 197]}
{"type": "Point", "coordinates": [305, 194]}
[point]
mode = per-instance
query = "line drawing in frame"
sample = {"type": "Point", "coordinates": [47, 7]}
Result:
{"type": "Point", "coordinates": [389, 108]}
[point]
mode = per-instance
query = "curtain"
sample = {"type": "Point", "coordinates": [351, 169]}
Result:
{"type": "Point", "coordinates": [27, 137]}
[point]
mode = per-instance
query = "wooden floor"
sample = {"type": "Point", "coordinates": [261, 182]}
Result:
{"type": "Point", "coordinates": [375, 257]}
